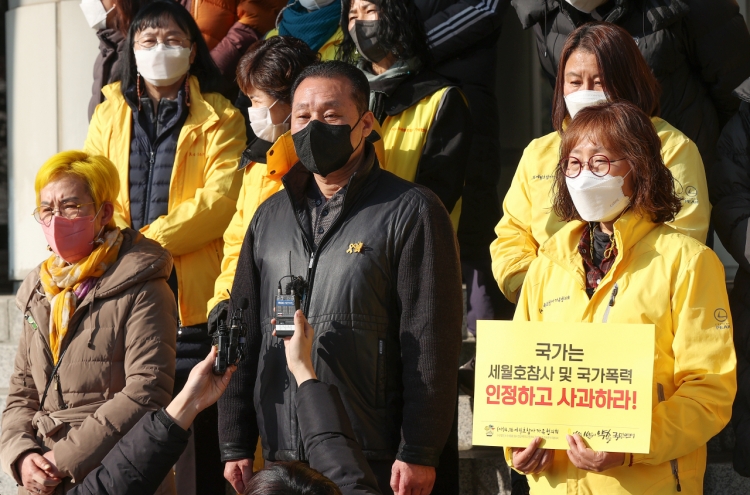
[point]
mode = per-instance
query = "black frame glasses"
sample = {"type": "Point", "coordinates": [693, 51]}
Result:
{"type": "Point", "coordinates": [602, 165]}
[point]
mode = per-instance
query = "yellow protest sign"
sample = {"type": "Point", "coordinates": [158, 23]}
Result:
{"type": "Point", "coordinates": [541, 379]}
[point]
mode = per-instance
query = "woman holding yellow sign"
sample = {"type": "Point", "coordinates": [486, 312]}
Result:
{"type": "Point", "coordinates": [616, 261]}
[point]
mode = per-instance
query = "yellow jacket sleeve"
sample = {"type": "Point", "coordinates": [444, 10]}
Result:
{"type": "Point", "coordinates": [515, 247]}
{"type": "Point", "coordinates": [702, 388]}
{"type": "Point", "coordinates": [203, 218]}
{"type": "Point", "coordinates": [233, 238]}
{"type": "Point", "coordinates": [96, 144]}
{"type": "Point", "coordinates": [684, 161]}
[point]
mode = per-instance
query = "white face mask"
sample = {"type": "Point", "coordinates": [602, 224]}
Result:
{"type": "Point", "coordinates": [315, 4]}
{"type": "Point", "coordinates": [263, 126]}
{"type": "Point", "coordinates": [586, 6]}
{"type": "Point", "coordinates": [94, 12]}
{"type": "Point", "coordinates": [162, 65]}
{"type": "Point", "coordinates": [598, 199]}
{"type": "Point", "coordinates": [583, 98]}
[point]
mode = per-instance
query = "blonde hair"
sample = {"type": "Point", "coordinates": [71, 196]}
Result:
{"type": "Point", "coordinates": [97, 172]}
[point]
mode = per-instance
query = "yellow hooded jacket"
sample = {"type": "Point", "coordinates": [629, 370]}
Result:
{"type": "Point", "coordinates": [666, 278]}
{"type": "Point", "coordinates": [260, 181]}
{"type": "Point", "coordinates": [202, 191]}
{"type": "Point", "coordinates": [528, 219]}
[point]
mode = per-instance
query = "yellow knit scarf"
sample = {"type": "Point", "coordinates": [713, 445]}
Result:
{"type": "Point", "coordinates": [60, 280]}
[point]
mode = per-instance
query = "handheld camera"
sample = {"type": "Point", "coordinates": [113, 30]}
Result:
{"type": "Point", "coordinates": [230, 341]}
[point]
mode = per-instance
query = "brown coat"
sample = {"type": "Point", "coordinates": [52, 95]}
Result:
{"type": "Point", "coordinates": [118, 364]}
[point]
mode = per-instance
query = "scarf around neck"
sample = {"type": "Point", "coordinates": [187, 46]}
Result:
{"type": "Point", "coordinates": [61, 282]}
{"type": "Point", "coordinates": [383, 85]}
{"type": "Point", "coordinates": [313, 27]}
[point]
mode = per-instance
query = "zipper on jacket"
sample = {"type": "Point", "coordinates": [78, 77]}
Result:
{"type": "Point", "coordinates": [611, 303]}
{"type": "Point", "coordinates": [147, 206]}
{"type": "Point", "coordinates": [673, 462]}
{"type": "Point", "coordinates": [380, 375]}
{"type": "Point", "coordinates": [313, 259]}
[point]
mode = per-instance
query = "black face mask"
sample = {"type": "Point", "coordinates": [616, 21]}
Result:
{"type": "Point", "coordinates": [365, 36]}
{"type": "Point", "coordinates": [324, 148]}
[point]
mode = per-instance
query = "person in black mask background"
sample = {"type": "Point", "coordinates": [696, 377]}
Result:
{"type": "Point", "coordinates": [426, 126]}
{"type": "Point", "coordinates": [382, 290]}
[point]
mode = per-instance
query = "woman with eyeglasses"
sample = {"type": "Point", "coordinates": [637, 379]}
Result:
{"type": "Point", "coordinates": [599, 62]}
{"type": "Point", "coordinates": [176, 144]}
{"type": "Point", "coordinates": [617, 261]}
{"type": "Point", "coordinates": [98, 342]}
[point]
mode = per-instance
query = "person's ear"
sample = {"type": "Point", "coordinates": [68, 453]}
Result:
{"type": "Point", "coordinates": [193, 52]}
{"type": "Point", "coordinates": [368, 120]}
{"type": "Point", "coordinates": [106, 214]}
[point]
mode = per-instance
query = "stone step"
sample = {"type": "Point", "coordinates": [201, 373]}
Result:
{"type": "Point", "coordinates": [7, 359]}
{"type": "Point", "coordinates": [11, 320]}
{"type": "Point", "coordinates": [7, 484]}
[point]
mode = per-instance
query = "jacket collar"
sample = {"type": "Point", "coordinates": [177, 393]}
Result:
{"type": "Point", "coordinates": [138, 261]}
{"type": "Point", "coordinates": [413, 89]}
{"type": "Point", "coordinates": [278, 157]}
{"type": "Point", "coordinates": [743, 90]}
{"type": "Point", "coordinates": [659, 13]}
{"type": "Point", "coordinates": [201, 113]}
{"type": "Point", "coordinates": [562, 248]}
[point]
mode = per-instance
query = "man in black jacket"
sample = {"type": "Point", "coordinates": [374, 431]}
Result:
{"type": "Point", "coordinates": [382, 288]}
{"type": "Point", "coordinates": [699, 50]}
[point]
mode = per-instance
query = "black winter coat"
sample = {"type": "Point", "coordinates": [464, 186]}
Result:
{"type": "Point", "coordinates": [463, 38]}
{"type": "Point", "coordinates": [387, 319]}
{"type": "Point", "coordinates": [140, 461]}
{"type": "Point", "coordinates": [730, 195]}
{"type": "Point", "coordinates": [106, 65]}
{"type": "Point", "coordinates": [699, 50]}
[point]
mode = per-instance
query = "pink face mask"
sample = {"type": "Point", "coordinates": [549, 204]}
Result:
{"type": "Point", "coordinates": [71, 239]}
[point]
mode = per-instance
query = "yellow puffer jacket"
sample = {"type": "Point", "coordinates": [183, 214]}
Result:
{"type": "Point", "coordinates": [260, 181]}
{"type": "Point", "coordinates": [328, 50]}
{"type": "Point", "coordinates": [668, 279]}
{"type": "Point", "coordinates": [528, 221]}
{"type": "Point", "coordinates": [202, 191]}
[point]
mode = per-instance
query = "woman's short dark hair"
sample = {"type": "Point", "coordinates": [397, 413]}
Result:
{"type": "Point", "coordinates": [624, 73]}
{"type": "Point", "coordinates": [158, 14]}
{"type": "Point", "coordinates": [626, 130]}
{"type": "Point", "coordinates": [125, 11]}
{"type": "Point", "coordinates": [290, 478]}
{"type": "Point", "coordinates": [273, 65]}
{"type": "Point", "coordinates": [400, 31]}
{"type": "Point", "coordinates": [335, 69]}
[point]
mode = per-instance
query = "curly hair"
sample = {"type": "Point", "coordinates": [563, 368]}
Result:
{"type": "Point", "coordinates": [626, 130]}
{"type": "Point", "coordinates": [624, 72]}
{"type": "Point", "coordinates": [272, 65]}
{"type": "Point", "coordinates": [400, 31]}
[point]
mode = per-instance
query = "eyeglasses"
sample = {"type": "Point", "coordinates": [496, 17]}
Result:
{"type": "Point", "coordinates": [149, 42]}
{"type": "Point", "coordinates": [70, 210]}
{"type": "Point", "coordinates": [598, 164]}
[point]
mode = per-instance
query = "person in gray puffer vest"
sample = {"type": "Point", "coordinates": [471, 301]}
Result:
{"type": "Point", "coordinates": [730, 195]}
{"type": "Point", "coordinates": [699, 50]}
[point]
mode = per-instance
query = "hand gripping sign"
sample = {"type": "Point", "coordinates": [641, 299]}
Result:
{"type": "Point", "coordinates": [539, 379]}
